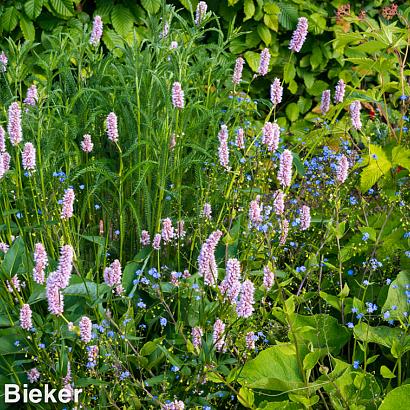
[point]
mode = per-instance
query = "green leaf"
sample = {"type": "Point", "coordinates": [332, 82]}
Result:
{"type": "Point", "coordinates": [387, 373]}
{"type": "Point", "coordinates": [275, 368]}
{"type": "Point", "coordinates": [289, 72]}
{"type": "Point", "coordinates": [27, 28]}
{"type": "Point", "coordinates": [113, 41]}
{"type": "Point", "coordinates": [9, 19]}
{"type": "Point", "coordinates": [246, 397]}
{"type": "Point", "coordinates": [401, 157]}
{"type": "Point", "coordinates": [152, 6]}
{"type": "Point", "coordinates": [253, 60]}
{"type": "Point", "coordinates": [288, 15]}
{"type": "Point", "coordinates": [13, 258]}
{"type": "Point", "coordinates": [396, 398]}
{"type": "Point", "coordinates": [33, 8]}
{"type": "Point", "coordinates": [378, 165]}
{"type": "Point", "coordinates": [122, 20]}
{"type": "Point", "coordinates": [316, 58]}
{"type": "Point", "coordinates": [271, 21]}
{"type": "Point", "coordinates": [397, 296]}
{"type": "Point", "coordinates": [248, 9]}
{"type": "Point", "coordinates": [264, 33]}
{"type": "Point", "coordinates": [63, 8]}
{"type": "Point", "coordinates": [292, 111]}
{"type": "Point", "coordinates": [270, 8]}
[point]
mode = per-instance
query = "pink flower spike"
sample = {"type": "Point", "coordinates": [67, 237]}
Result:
{"type": "Point", "coordinates": [218, 335]}
{"type": "Point", "coordinates": [200, 12]}
{"type": "Point", "coordinates": [276, 92]}
{"type": "Point", "coordinates": [299, 35]}
{"type": "Point", "coordinates": [32, 96]}
{"type": "Point", "coordinates": [197, 334]}
{"type": "Point", "coordinates": [285, 168]}
{"type": "Point", "coordinates": [112, 127]}
{"type": "Point", "coordinates": [2, 140]}
{"type": "Point", "coordinates": [41, 262]}
{"type": "Point", "coordinates": [97, 31]}
{"type": "Point", "coordinates": [3, 62]}
{"type": "Point", "coordinates": [223, 150]}
{"type": "Point", "coordinates": [237, 72]}
{"type": "Point", "coordinates": [339, 91]}
{"type": "Point", "coordinates": [87, 144]}
{"type": "Point", "coordinates": [325, 102]}
{"type": "Point", "coordinates": [156, 243]}
{"type": "Point", "coordinates": [264, 62]}
{"type": "Point", "coordinates": [25, 317]}
{"type": "Point", "coordinates": [85, 329]}
{"type": "Point", "coordinates": [342, 169]}
{"type": "Point", "coordinates": [145, 239]}
{"type": "Point", "coordinates": [177, 95]}
{"type": "Point", "coordinates": [68, 204]}
{"type": "Point", "coordinates": [29, 157]}
{"type": "Point", "coordinates": [305, 218]}
{"type": "Point", "coordinates": [245, 307]}
{"type": "Point", "coordinates": [14, 124]}
{"type": "Point", "coordinates": [268, 278]}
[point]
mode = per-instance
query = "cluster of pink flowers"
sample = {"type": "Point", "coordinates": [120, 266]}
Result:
{"type": "Point", "coordinates": [177, 95]}
{"type": "Point", "coordinates": [207, 211]}
{"type": "Point", "coordinates": [237, 72]}
{"type": "Point", "coordinates": [156, 243]}
{"type": "Point", "coordinates": [305, 218]}
{"type": "Point", "coordinates": [231, 286]}
{"type": "Point", "coordinates": [145, 238]}
{"type": "Point", "coordinates": [167, 232]}
{"type": "Point", "coordinates": [355, 107]}
{"type": "Point", "coordinates": [200, 12]}
{"type": "Point", "coordinates": [218, 335]}
{"type": "Point", "coordinates": [14, 124]}
{"type": "Point", "coordinates": [325, 103]}
{"type": "Point", "coordinates": [3, 62]}
{"type": "Point", "coordinates": [339, 91]}
{"type": "Point", "coordinates": [240, 138]}
{"type": "Point", "coordinates": [285, 168]}
{"type": "Point", "coordinates": [113, 275]}
{"type": "Point", "coordinates": [176, 404]}
{"type": "Point", "coordinates": [180, 231]}
{"type": "Point", "coordinates": [342, 169]}
{"type": "Point", "coordinates": [4, 247]}
{"type": "Point", "coordinates": [279, 202]}
{"type": "Point", "coordinates": [59, 280]}
{"type": "Point", "coordinates": [276, 92]}
{"type": "Point", "coordinates": [284, 231]}
{"type": "Point", "coordinates": [255, 211]}
{"type": "Point", "coordinates": [86, 327]}
{"type": "Point", "coordinates": [299, 35]}
{"type": "Point", "coordinates": [29, 157]}
{"type": "Point", "coordinates": [92, 355]}
{"type": "Point", "coordinates": [223, 150]}
{"type": "Point", "coordinates": [245, 307]}
{"type": "Point", "coordinates": [268, 277]}
{"type": "Point", "coordinates": [112, 127]}
{"type": "Point", "coordinates": [87, 143]}
{"type": "Point", "coordinates": [14, 284]}
{"type": "Point", "coordinates": [2, 140]}
{"type": "Point", "coordinates": [270, 136]}
{"type": "Point", "coordinates": [206, 259]}
{"type": "Point", "coordinates": [33, 375]}
{"type": "Point", "coordinates": [264, 62]}
{"type": "Point", "coordinates": [97, 31]}
{"type": "Point", "coordinates": [26, 317]}
{"type": "Point", "coordinates": [41, 262]}
{"type": "Point", "coordinates": [67, 210]}
{"type": "Point", "coordinates": [32, 96]}
{"type": "Point", "coordinates": [197, 334]}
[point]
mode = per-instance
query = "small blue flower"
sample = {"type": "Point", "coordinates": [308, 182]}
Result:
{"type": "Point", "coordinates": [163, 321]}
{"type": "Point", "coordinates": [365, 236]}
{"type": "Point", "coordinates": [82, 186]}
{"type": "Point", "coordinates": [356, 364]}
{"type": "Point", "coordinates": [350, 325]}
{"type": "Point", "coordinates": [97, 207]}
{"type": "Point", "coordinates": [386, 315]}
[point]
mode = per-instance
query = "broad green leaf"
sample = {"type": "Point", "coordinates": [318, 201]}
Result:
{"type": "Point", "coordinates": [33, 8]}
{"type": "Point", "coordinates": [396, 302]}
{"type": "Point", "coordinates": [264, 33]}
{"type": "Point", "coordinates": [275, 368]}
{"type": "Point", "coordinates": [396, 398]}
{"type": "Point", "coordinates": [292, 111]}
{"type": "Point", "coordinates": [270, 8]}
{"type": "Point", "coordinates": [282, 405]}
{"type": "Point", "coordinates": [27, 28]}
{"type": "Point", "coordinates": [289, 72]}
{"type": "Point", "coordinates": [152, 6]}
{"type": "Point", "coordinates": [122, 20]}
{"type": "Point", "coordinates": [246, 397]}
{"type": "Point", "coordinates": [253, 60]}
{"type": "Point", "coordinates": [316, 58]}
{"type": "Point", "coordinates": [113, 41]}
{"type": "Point", "coordinates": [13, 258]}
{"type": "Point", "coordinates": [377, 165]}
{"type": "Point", "coordinates": [401, 157]}
{"type": "Point", "coordinates": [271, 21]}
{"type": "Point", "coordinates": [288, 15]}
{"type": "Point", "coordinates": [248, 9]}
{"type": "Point", "coordinates": [387, 373]}
{"type": "Point", "coordinates": [64, 8]}
{"type": "Point", "coordinates": [9, 19]}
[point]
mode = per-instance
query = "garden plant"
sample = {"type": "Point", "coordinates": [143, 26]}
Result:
{"type": "Point", "coordinates": [186, 227]}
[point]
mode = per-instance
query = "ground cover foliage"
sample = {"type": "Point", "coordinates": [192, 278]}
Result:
{"type": "Point", "coordinates": [176, 234]}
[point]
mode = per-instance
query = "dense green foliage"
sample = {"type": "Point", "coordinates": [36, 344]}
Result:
{"type": "Point", "coordinates": [331, 330]}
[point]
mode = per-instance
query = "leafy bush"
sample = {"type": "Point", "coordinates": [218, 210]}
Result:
{"type": "Point", "coordinates": [264, 265]}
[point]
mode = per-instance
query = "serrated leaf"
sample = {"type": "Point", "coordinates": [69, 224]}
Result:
{"type": "Point", "coordinates": [378, 165]}
{"type": "Point", "coordinates": [113, 41]}
{"type": "Point", "coordinates": [152, 6]}
{"type": "Point", "coordinates": [264, 33]}
{"type": "Point", "coordinates": [252, 59]}
{"type": "Point", "coordinates": [33, 8]}
{"type": "Point", "coordinates": [122, 20]}
{"type": "Point", "coordinates": [401, 157]}
{"type": "Point", "coordinates": [9, 19]}
{"type": "Point", "coordinates": [248, 9]}
{"type": "Point", "coordinates": [64, 8]}
{"type": "Point", "coordinates": [27, 28]}
{"type": "Point", "coordinates": [271, 21]}
{"type": "Point", "coordinates": [288, 15]}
